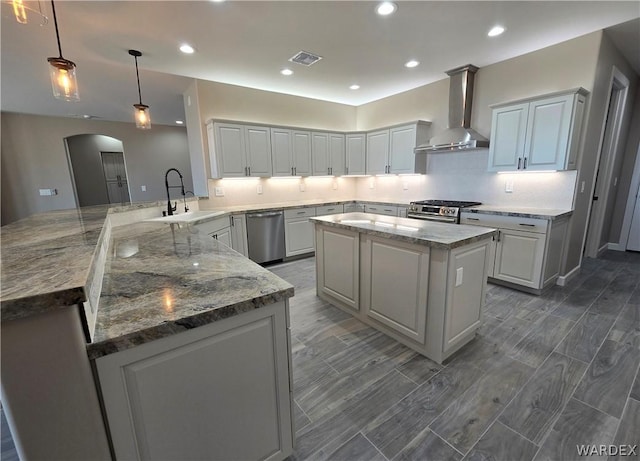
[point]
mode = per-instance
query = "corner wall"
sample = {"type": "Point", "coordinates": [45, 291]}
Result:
{"type": "Point", "coordinates": [34, 157]}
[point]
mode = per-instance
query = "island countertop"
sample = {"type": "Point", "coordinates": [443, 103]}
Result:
{"type": "Point", "coordinates": [429, 233]}
{"type": "Point", "coordinates": [161, 279]}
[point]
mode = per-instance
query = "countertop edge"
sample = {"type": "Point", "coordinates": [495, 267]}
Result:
{"type": "Point", "coordinates": [520, 214]}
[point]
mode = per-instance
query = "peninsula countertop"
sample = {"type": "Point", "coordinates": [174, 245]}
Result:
{"type": "Point", "coordinates": [161, 279]}
{"type": "Point", "coordinates": [429, 233]}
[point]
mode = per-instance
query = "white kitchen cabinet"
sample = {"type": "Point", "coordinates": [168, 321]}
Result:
{"type": "Point", "coordinates": [389, 210]}
{"type": "Point", "coordinates": [528, 251]}
{"type": "Point", "coordinates": [239, 234]}
{"type": "Point", "coordinates": [238, 150]}
{"type": "Point", "coordinates": [356, 149]}
{"type": "Point", "coordinates": [329, 209]}
{"type": "Point", "coordinates": [219, 229]}
{"type": "Point", "coordinates": [290, 152]}
{"type": "Point", "coordinates": [298, 231]}
{"type": "Point", "coordinates": [235, 404]}
{"type": "Point", "coordinates": [390, 151]}
{"type": "Point", "coordinates": [354, 207]}
{"type": "Point", "coordinates": [537, 134]}
{"type": "Point", "coordinates": [328, 153]}
{"type": "Point", "coordinates": [338, 265]}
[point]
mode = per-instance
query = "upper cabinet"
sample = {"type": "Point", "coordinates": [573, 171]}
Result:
{"type": "Point", "coordinates": [328, 153]}
{"type": "Point", "coordinates": [290, 152]}
{"type": "Point", "coordinates": [390, 151]}
{"type": "Point", "coordinates": [239, 150]}
{"type": "Point", "coordinates": [356, 148]}
{"type": "Point", "coordinates": [537, 134]}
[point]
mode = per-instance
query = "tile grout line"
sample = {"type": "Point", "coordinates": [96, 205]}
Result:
{"type": "Point", "coordinates": [373, 444]}
{"type": "Point", "coordinates": [444, 440]}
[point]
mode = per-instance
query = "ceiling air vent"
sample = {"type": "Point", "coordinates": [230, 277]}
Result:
{"type": "Point", "coordinates": [305, 58]}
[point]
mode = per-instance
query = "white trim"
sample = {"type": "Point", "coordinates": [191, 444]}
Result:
{"type": "Point", "coordinates": [602, 249]}
{"type": "Point", "coordinates": [615, 247]}
{"type": "Point", "coordinates": [634, 189]}
{"type": "Point", "coordinates": [563, 280]}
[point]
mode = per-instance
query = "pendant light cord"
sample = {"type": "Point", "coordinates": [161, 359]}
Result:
{"type": "Point", "coordinates": [138, 78]}
{"type": "Point", "coordinates": [55, 21]}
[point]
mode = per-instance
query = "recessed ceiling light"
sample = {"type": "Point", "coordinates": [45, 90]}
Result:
{"type": "Point", "coordinates": [286, 72]}
{"type": "Point", "coordinates": [386, 8]}
{"type": "Point", "coordinates": [497, 30]}
{"type": "Point", "coordinates": [354, 87]}
{"type": "Point", "coordinates": [179, 122]}
{"type": "Point", "coordinates": [186, 48]}
{"type": "Point", "coordinates": [412, 63]}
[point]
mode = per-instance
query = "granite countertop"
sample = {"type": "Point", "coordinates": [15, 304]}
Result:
{"type": "Point", "coordinates": [161, 279]}
{"type": "Point", "coordinates": [520, 212]}
{"type": "Point", "coordinates": [429, 233]}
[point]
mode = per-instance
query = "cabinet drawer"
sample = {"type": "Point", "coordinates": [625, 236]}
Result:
{"type": "Point", "coordinates": [381, 209]}
{"type": "Point", "coordinates": [329, 209]}
{"type": "Point", "coordinates": [299, 213]}
{"type": "Point", "coordinates": [213, 226]}
{"type": "Point", "coordinates": [505, 222]}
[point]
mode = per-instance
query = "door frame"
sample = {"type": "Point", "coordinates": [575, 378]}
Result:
{"type": "Point", "coordinates": [610, 147]}
{"type": "Point", "coordinates": [634, 193]}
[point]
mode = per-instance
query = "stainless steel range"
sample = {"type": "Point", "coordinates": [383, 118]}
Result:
{"type": "Point", "coordinates": [438, 210]}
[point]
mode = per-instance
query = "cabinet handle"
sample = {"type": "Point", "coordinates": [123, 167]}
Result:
{"type": "Point", "coordinates": [346, 170]}
{"type": "Point", "coordinates": [292, 174]}
{"type": "Point", "coordinates": [295, 170]}
{"type": "Point", "coordinates": [249, 168]}
{"type": "Point", "coordinates": [498, 236]}
{"type": "Point", "coordinates": [519, 162]}
{"type": "Point", "coordinates": [302, 212]}
{"type": "Point", "coordinates": [473, 219]}
{"type": "Point", "coordinates": [528, 225]}
{"type": "Point", "coordinates": [525, 163]}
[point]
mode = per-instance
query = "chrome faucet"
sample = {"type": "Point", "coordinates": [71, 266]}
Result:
{"type": "Point", "coordinates": [171, 209]}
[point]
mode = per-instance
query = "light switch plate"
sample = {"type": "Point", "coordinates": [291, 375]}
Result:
{"type": "Point", "coordinates": [219, 192]}
{"type": "Point", "coordinates": [301, 187]}
{"type": "Point", "coordinates": [459, 272]}
{"type": "Point", "coordinates": [405, 185]}
{"type": "Point", "coordinates": [143, 188]}
{"type": "Point", "coordinates": [508, 186]}
{"type": "Point", "coordinates": [259, 189]}
{"type": "Point", "coordinates": [334, 184]}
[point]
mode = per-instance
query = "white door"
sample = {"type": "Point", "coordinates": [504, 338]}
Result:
{"type": "Point", "coordinates": [402, 141]}
{"type": "Point", "coordinates": [633, 243]}
{"type": "Point", "coordinates": [377, 152]}
{"type": "Point", "coordinates": [320, 153]}
{"type": "Point", "coordinates": [548, 133]}
{"type": "Point", "coordinates": [258, 151]}
{"type": "Point", "coordinates": [355, 153]}
{"type": "Point", "coordinates": [508, 130]}
{"type": "Point", "coordinates": [281, 152]}
{"type": "Point", "coordinates": [337, 154]}
{"type": "Point", "coordinates": [302, 153]}
{"type": "Point", "coordinates": [229, 141]}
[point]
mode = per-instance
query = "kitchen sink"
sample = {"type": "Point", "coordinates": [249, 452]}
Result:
{"type": "Point", "coordinates": [188, 217]}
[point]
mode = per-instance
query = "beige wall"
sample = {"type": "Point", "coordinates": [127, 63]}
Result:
{"type": "Point", "coordinates": [34, 157]}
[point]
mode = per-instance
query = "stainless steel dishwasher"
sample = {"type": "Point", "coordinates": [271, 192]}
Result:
{"type": "Point", "coordinates": [265, 234]}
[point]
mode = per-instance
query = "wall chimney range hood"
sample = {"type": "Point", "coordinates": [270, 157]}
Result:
{"type": "Point", "coordinates": [459, 136]}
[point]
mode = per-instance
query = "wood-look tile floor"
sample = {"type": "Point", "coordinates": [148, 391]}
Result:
{"type": "Point", "coordinates": [544, 374]}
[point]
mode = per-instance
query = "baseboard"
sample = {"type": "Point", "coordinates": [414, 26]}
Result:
{"type": "Point", "coordinates": [602, 249]}
{"type": "Point", "coordinates": [615, 247]}
{"type": "Point", "coordinates": [563, 280]}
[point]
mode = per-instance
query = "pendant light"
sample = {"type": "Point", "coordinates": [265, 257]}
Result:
{"type": "Point", "coordinates": [62, 71]}
{"type": "Point", "coordinates": [143, 120]}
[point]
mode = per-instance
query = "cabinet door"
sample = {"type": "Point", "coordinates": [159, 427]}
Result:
{"type": "Point", "coordinates": [388, 210]}
{"type": "Point", "coordinates": [224, 236]}
{"type": "Point", "coordinates": [281, 152]}
{"type": "Point", "coordinates": [338, 263]}
{"type": "Point", "coordinates": [320, 153]}
{"type": "Point", "coordinates": [337, 154]}
{"type": "Point", "coordinates": [402, 141]}
{"type": "Point", "coordinates": [397, 302]}
{"type": "Point", "coordinates": [508, 130]}
{"type": "Point", "coordinates": [355, 153]}
{"type": "Point", "coordinates": [519, 257]}
{"type": "Point", "coordinates": [548, 133]}
{"type": "Point", "coordinates": [298, 236]}
{"type": "Point", "coordinates": [377, 152]}
{"type": "Point", "coordinates": [239, 234]}
{"type": "Point", "coordinates": [302, 153]}
{"type": "Point", "coordinates": [230, 150]}
{"type": "Point", "coordinates": [258, 151]}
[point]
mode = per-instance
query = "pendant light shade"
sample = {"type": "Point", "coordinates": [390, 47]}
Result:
{"type": "Point", "coordinates": [62, 71]}
{"type": "Point", "coordinates": [143, 119]}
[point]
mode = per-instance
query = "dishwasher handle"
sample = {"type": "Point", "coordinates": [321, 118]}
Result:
{"type": "Point", "coordinates": [264, 215]}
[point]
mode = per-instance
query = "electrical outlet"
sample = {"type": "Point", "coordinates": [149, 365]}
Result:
{"type": "Point", "coordinates": [459, 273]}
{"type": "Point", "coordinates": [144, 188]}
{"type": "Point", "coordinates": [405, 185]}
{"type": "Point", "coordinates": [334, 184]}
{"type": "Point", "coordinates": [582, 187]}
{"type": "Point", "coordinates": [508, 186]}
{"type": "Point", "coordinates": [219, 192]}
{"type": "Point", "coordinates": [301, 186]}
{"type": "Point", "coordinates": [48, 192]}
{"type": "Point", "coordinates": [259, 189]}
{"type": "Point", "coordinates": [372, 183]}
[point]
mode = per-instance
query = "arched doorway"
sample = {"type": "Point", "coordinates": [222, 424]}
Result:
{"type": "Point", "coordinates": [98, 170]}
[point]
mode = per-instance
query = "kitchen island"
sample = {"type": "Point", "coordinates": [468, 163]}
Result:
{"type": "Point", "coordinates": [422, 283]}
{"type": "Point", "coordinates": [189, 356]}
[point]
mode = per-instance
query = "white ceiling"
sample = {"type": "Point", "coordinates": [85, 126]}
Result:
{"type": "Point", "coordinates": [248, 43]}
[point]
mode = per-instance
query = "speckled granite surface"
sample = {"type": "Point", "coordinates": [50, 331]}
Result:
{"type": "Point", "coordinates": [520, 212]}
{"type": "Point", "coordinates": [162, 279]}
{"type": "Point", "coordinates": [432, 234]}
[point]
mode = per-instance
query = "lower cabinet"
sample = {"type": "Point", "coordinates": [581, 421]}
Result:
{"type": "Point", "coordinates": [390, 210]}
{"type": "Point", "coordinates": [528, 251]}
{"type": "Point", "coordinates": [354, 207]}
{"type": "Point", "coordinates": [298, 231]}
{"type": "Point", "coordinates": [220, 391]}
{"type": "Point", "coordinates": [239, 234]}
{"type": "Point", "coordinates": [219, 229]}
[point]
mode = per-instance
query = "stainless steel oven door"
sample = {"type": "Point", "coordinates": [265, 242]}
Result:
{"type": "Point", "coordinates": [429, 217]}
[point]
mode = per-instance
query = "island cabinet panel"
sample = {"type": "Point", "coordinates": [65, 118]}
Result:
{"type": "Point", "coordinates": [220, 391]}
{"type": "Point", "coordinates": [464, 312]}
{"type": "Point", "coordinates": [338, 265]}
{"type": "Point", "coordinates": [399, 303]}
